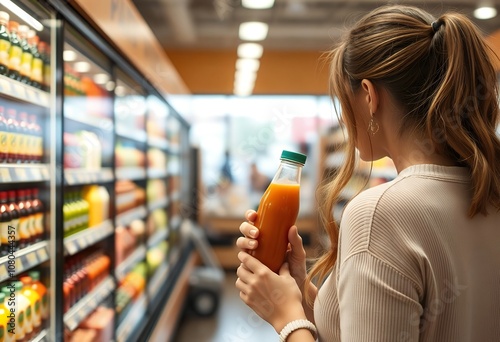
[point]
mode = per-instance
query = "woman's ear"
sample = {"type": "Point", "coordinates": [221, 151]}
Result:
{"type": "Point", "coordinates": [371, 95]}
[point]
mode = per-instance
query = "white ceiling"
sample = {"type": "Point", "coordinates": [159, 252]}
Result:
{"type": "Point", "coordinates": [293, 24]}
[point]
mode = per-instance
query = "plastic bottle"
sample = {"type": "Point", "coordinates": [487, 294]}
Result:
{"type": "Point", "coordinates": [5, 222]}
{"type": "Point", "coordinates": [16, 214]}
{"type": "Point", "coordinates": [31, 211]}
{"type": "Point", "coordinates": [24, 220]}
{"type": "Point", "coordinates": [35, 303]}
{"type": "Point", "coordinates": [36, 77]}
{"type": "Point", "coordinates": [23, 139]}
{"type": "Point", "coordinates": [6, 325]}
{"type": "Point", "coordinates": [38, 286]}
{"type": "Point", "coordinates": [37, 139]}
{"type": "Point", "coordinates": [15, 52]}
{"type": "Point", "coordinates": [44, 50]}
{"type": "Point", "coordinates": [38, 210]}
{"type": "Point", "coordinates": [4, 43]}
{"type": "Point", "coordinates": [13, 136]}
{"type": "Point", "coordinates": [4, 134]}
{"type": "Point", "coordinates": [278, 210]}
{"type": "Point", "coordinates": [17, 302]}
{"type": "Point", "coordinates": [27, 56]}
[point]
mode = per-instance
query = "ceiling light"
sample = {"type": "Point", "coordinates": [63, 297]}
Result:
{"type": "Point", "coordinates": [81, 67]}
{"type": "Point", "coordinates": [101, 78]}
{"type": "Point", "coordinates": [120, 91]}
{"type": "Point", "coordinates": [250, 50]}
{"type": "Point", "coordinates": [247, 64]}
{"type": "Point", "coordinates": [22, 14]}
{"type": "Point", "coordinates": [110, 86]}
{"type": "Point", "coordinates": [257, 4]}
{"type": "Point", "coordinates": [253, 30]}
{"type": "Point", "coordinates": [485, 12]}
{"type": "Point", "coordinates": [69, 55]}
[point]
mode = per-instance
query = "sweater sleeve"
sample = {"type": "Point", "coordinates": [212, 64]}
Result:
{"type": "Point", "coordinates": [376, 302]}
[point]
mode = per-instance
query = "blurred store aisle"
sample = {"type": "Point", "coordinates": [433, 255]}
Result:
{"type": "Point", "coordinates": [234, 322]}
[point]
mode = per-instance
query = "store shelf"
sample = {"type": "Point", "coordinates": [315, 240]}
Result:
{"type": "Point", "coordinates": [25, 259]}
{"type": "Point", "coordinates": [134, 317]}
{"type": "Point", "coordinates": [41, 337]}
{"type": "Point", "coordinates": [157, 173]}
{"type": "Point", "coordinates": [158, 280]}
{"type": "Point", "coordinates": [85, 306]}
{"type": "Point", "coordinates": [88, 237]}
{"type": "Point", "coordinates": [19, 173]}
{"type": "Point", "coordinates": [23, 92]}
{"type": "Point", "coordinates": [158, 204]}
{"type": "Point", "coordinates": [160, 235]}
{"type": "Point", "coordinates": [82, 176]}
{"type": "Point", "coordinates": [176, 196]}
{"type": "Point", "coordinates": [128, 264]}
{"type": "Point", "coordinates": [133, 214]}
{"type": "Point", "coordinates": [84, 118]}
{"type": "Point", "coordinates": [135, 135]}
{"type": "Point", "coordinates": [131, 173]}
{"type": "Point", "coordinates": [157, 142]}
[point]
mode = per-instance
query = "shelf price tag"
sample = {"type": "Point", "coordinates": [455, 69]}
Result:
{"type": "Point", "coordinates": [3, 272]}
{"type": "Point", "coordinates": [42, 254]}
{"type": "Point", "coordinates": [69, 178]}
{"type": "Point", "coordinates": [32, 259]}
{"type": "Point", "coordinates": [45, 173]}
{"type": "Point", "coordinates": [71, 247]}
{"type": "Point", "coordinates": [36, 174]}
{"type": "Point", "coordinates": [21, 174]}
{"type": "Point", "coordinates": [19, 265]}
{"type": "Point", "coordinates": [19, 90]}
{"type": "Point", "coordinates": [5, 175]}
{"type": "Point", "coordinates": [32, 96]}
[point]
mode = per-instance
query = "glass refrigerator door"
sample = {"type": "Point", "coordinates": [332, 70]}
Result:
{"type": "Point", "coordinates": [131, 210]}
{"type": "Point", "coordinates": [87, 218]}
{"type": "Point", "coordinates": [26, 128]}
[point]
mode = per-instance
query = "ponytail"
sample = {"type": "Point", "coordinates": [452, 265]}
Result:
{"type": "Point", "coordinates": [463, 113]}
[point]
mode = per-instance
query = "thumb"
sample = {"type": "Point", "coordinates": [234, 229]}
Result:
{"type": "Point", "coordinates": [294, 238]}
{"type": "Point", "coordinates": [285, 269]}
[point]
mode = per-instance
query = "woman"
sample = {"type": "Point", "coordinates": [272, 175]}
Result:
{"type": "Point", "coordinates": [418, 258]}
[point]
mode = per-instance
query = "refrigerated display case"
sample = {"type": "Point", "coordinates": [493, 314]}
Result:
{"type": "Point", "coordinates": [91, 156]}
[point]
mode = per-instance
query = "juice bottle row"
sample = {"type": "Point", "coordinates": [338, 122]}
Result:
{"type": "Point", "coordinates": [21, 219]}
{"type": "Point", "coordinates": [21, 137]}
{"type": "Point", "coordinates": [130, 289]}
{"type": "Point", "coordinates": [23, 57]}
{"type": "Point", "coordinates": [85, 208]}
{"type": "Point", "coordinates": [83, 272]}
{"type": "Point", "coordinates": [24, 308]}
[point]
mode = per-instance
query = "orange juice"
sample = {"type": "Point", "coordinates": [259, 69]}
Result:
{"type": "Point", "coordinates": [278, 210]}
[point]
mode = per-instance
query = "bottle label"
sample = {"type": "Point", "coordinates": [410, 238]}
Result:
{"type": "Point", "coordinates": [12, 143]}
{"type": "Point", "coordinates": [45, 306]}
{"type": "Point", "coordinates": [26, 60]}
{"type": "Point", "coordinates": [31, 225]}
{"type": "Point", "coordinates": [4, 229]}
{"type": "Point", "coordinates": [15, 54]}
{"type": "Point", "coordinates": [20, 144]}
{"type": "Point", "coordinates": [37, 315]}
{"type": "Point", "coordinates": [39, 147]}
{"type": "Point", "coordinates": [4, 145]}
{"type": "Point", "coordinates": [46, 74]}
{"type": "Point", "coordinates": [23, 228]}
{"type": "Point", "coordinates": [4, 52]}
{"type": "Point", "coordinates": [37, 70]}
{"type": "Point", "coordinates": [39, 223]}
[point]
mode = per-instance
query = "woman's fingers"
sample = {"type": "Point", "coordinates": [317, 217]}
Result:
{"type": "Point", "coordinates": [244, 243]}
{"type": "Point", "coordinates": [251, 215]}
{"type": "Point", "coordinates": [248, 230]}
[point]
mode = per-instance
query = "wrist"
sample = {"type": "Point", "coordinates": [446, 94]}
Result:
{"type": "Point", "coordinates": [298, 327]}
{"type": "Point", "coordinates": [291, 315]}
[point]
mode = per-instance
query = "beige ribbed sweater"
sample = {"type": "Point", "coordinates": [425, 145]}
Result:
{"type": "Point", "coordinates": [412, 266]}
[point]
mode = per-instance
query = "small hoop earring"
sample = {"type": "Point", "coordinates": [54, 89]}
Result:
{"type": "Point", "coordinates": [373, 126]}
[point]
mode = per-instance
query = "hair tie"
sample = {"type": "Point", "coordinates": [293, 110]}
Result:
{"type": "Point", "coordinates": [436, 25]}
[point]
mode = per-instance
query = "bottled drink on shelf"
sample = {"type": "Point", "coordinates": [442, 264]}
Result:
{"type": "Point", "coordinates": [4, 43]}
{"type": "Point", "coordinates": [13, 136]}
{"type": "Point", "coordinates": [16, 215]}
{"type": "Point", "coordinates": [15, 52]}
{"type": "Point", "coordinates": [36, 76]}
{"type": "Point", "coordinates": [23, 138]}
{"type": "Point", "coordinates": [97, 198]}
{"type": "Point", "coordinates": [23, 325]}
{"type": "Point", "coordinates": [37, 139]}
{"type": "Point", "coordinates": [39, 213]}
{"type": "Point", "coordinates": [44, 51]}
{"type": "Point", "coordinates": [4, 134]}
{"type": "Point", "coordinates": [5, 323]}
{"type": "Point", "coordinates": [75, 213]}
{"type": "Point", "coordinates": [27, 56]}
{"type": "Point", "coordinates": [35, 302]}
{"type": "Point", "coordinates": [31, 220]}
{"type": "Point", "coordinates": [5, 222]}
{"type": "Point", "coordinates": [278, 210]}
{"type": "Point", "coordinates": [24, 220]}
{"type": "Point", "coordinates": [39, 287]}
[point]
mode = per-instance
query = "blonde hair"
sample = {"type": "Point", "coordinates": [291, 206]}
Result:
{"type": "Point", "coordinates": [442, 77]}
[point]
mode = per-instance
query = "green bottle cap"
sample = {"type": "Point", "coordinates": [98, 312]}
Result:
{"type": "Point", "coordinates": [2, 297]}
{"type": "Point", "coordinates": [294, 157]}
{"type": "Point", "coordinates": [35, 275]}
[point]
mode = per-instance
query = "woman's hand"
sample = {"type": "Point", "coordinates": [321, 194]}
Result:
{"type": "Point", "coordinates": [275, 298]}
{"type": "Point", "coordinates": [296, 255]}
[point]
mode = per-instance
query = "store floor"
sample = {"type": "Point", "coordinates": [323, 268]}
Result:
{"type": "Point", "coordinates": [234, 322]}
